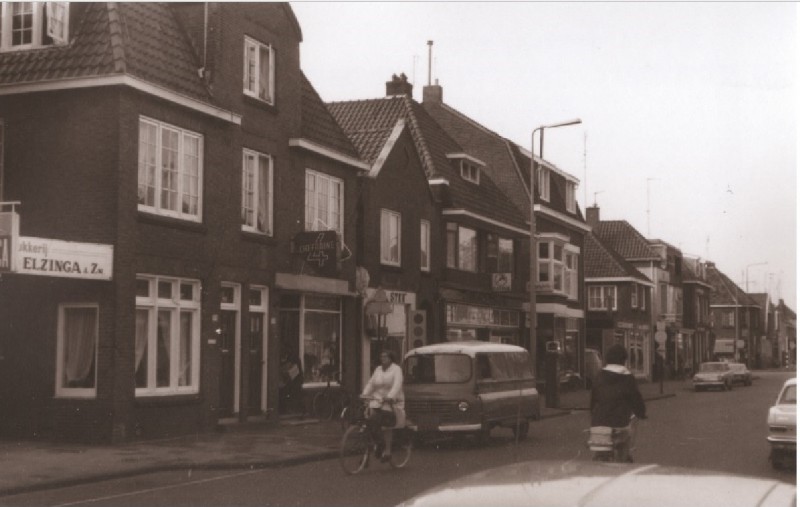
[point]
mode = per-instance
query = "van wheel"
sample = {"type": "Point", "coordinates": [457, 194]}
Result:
{"type": "Point", "coordinates": [521, 432]}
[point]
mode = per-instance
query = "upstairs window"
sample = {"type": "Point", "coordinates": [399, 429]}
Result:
{"type": "Point", "coordinates": [634, 296]}
{"type": "Point", "coordinates": [499, 254]}
{"type": "Point", "coordinates": [544, 183]}
{"type": "Point", "coordinates": [324, 202]}
{"type": "Point", "coordinates": [558, 268]}
{"type": "Point", "coordinates": [570, 197]}
{"type": "Point", "coordinates": [170, 170]}
{"type": "Point", "coordinates": [390, 237]}
{"type": "Point", "coordinates": [256, 192]}
{"type": "Point", "coordinates": [424, 245]}
{"type": "Point", "coordinates": [28, 25]}
{"type": "Point", "coordinates": [462, 248]}
{"type": "Point", "coordinates": [603, 297]}
{"type": "Point", "coordinates": [259, 70]}
{"type": "Point", "coordinates": [470, 172]}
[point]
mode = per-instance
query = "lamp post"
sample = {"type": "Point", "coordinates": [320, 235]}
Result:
{"type": "Point", "coordinates": [534, 254]}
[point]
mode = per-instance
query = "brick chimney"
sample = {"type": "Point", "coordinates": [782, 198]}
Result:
{"type": "Point", "coordinates": [592, 216]}
{"type": "Point", "coordinates": [432, 94]}
{"type": "Point", "coordinates": [399, 85]}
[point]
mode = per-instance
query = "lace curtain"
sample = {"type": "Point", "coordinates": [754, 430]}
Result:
{"type": "Point", "coordinates": [80, 345]}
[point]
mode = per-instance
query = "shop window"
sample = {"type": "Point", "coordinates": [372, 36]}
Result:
{"type": "Point", "coordinates": [324, 202]}
{"type": "Point", "coordinates": [170, 170]}
{"type": "Point", "coordinates": [636, 353]}
{"type": "Point", "coordinates": [256, 192]}
{"type": "Point", "coordinates": [167, 337]}
{"type": "Point", "coordinates": [390, 237]}
{"type": "Point", "coordinates": [28, 25]}
{"type": "Point", "coordinates": [259, 70]}
{"type": "Point", "coordinates": [76, 367]}
{"type": "Point", "coordinates": [321, 339]}
{"type": "Point", "coordinates": [424, 245]}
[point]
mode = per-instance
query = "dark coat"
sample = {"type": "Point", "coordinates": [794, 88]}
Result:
{"type": "Point", "coordinates": [615, 396]}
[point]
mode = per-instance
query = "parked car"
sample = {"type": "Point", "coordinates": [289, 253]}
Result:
{"type": "Point", "coordinates": [591, 484]}
{"type": "Point", "coordinates": [717, 374]}
{"type": "Point", "coordinates": [741, 375]}
{"type": "Point", "coordinates": [782, 422]}
{"type": "Point", "coordinates": [470, 387]}
{"type": "Point", "coordinates": [593, 363]}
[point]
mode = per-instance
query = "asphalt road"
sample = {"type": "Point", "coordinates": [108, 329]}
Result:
{"type": "Point", "coordinates": [714, 430]}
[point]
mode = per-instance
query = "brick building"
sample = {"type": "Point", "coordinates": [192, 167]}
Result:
{"type": "Point", "coordinates": [734, 317]}
{"type": "Point", "coordinates": [185, 139]}
{"type": "Point", "coordinates": [696, 313]}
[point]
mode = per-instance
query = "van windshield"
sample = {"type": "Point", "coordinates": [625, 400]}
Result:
{"type": "Point", "coordinates": [438, 369]}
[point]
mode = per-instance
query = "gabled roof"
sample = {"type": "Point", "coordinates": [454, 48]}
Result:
{"type": "Point", "coordinates": [760, 298]}
{"type": "Point", "coordinates": [318, 125]}
{"type": "Point", "coordinates": [726, 293]}
{"type": "Point", "coordinates": [143, 40]}
{"type": "Point", "coordinates": [603, 262]}
{"type": "Point", "coordinates": [623, 238]}
{"type": "Point", "coordinates": [368, 123]}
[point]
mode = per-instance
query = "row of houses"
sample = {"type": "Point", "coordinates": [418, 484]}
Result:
{"type": "Point", "coordinates": [184, 218]}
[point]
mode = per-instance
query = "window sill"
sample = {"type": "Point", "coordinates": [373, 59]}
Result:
{"type": "Point", "coordinates": [256, 237]}
{"type": "Point", "coordinates": [392, 268]}
{"type": "Point", "coordinates": [266, 106]}
{"type": "Point", "coordinates": [177, 223]}
{"type": "Point", "coordinates": [155, 400]}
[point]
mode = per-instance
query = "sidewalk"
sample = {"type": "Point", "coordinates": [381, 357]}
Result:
{"type": "Point", "coordinates": [32, 466]}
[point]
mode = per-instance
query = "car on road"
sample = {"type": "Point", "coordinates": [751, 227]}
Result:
{"type": "Point", "coordinates": [741, 375]}
{"type": "Point", "coordinates": [718, 374]}
{"type": "Point", "coordinates": [572, 483]}
{"type": "Point", "coordinates": [782, 422]}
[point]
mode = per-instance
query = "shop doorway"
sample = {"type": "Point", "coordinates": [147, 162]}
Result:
{"type": "Point", "coordinates": [290, 390]}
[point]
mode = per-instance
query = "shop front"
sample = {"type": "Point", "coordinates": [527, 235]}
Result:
{"type": "Point", "coordinates": [387, 326]}
{"type": "Point", "coordinates": [485, 323]}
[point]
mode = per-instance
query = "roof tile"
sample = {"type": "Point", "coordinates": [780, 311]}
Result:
{"type": "Point", "coordinates": [623, 238]}
{"type": "Point", "coordinates": [603, 262]}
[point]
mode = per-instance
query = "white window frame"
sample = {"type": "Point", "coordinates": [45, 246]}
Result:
{"type": "Point", "coordinates": [40, 12]}
{"type": "Point", "coordinates": [312, 220]}
{"type": "Point", "coordinates": [157, 207]}
{"type": "Point", "coordinates": [257, 46]}
{"type": "Point", "coordinates": [634, 296]}
{"type": "Point", "coordinates": [153, 304]}
{"type": "Point", "coordinates": [460, 262]}
{"type": "Point", "coordinates": [604, 290]}
{"type": "Point", "coordinates": [571, 273]}
{"type": "Point", "coordinates": [249, 213]}
{"type": "Point", "coordinates": [263, 310]}
{"type": "Point", "coordinates": [569, 277]}
{"type": "Point", "coordinates": [544, 183]}
{"type": "Point", "coordinates": [391, 221]}
{"type": "Point", "coordinates": [470, 172]}
{"type": "Point", "coordinates": [74, 392]}
{"type": "Point", "coordinates": [570, 197]}
{"type": "Point", "coordinates": [425, 245]}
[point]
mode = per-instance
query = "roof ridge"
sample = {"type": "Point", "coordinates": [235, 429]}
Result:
{"type": "Point", "coordinates": [116, 37]}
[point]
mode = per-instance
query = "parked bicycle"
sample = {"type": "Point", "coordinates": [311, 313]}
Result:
{"type": "Point", "coordinates": [331, 400]}
{"type": "Point", "coordinates": [358, 445]}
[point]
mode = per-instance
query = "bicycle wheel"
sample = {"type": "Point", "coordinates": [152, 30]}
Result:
{"type": "Point", "coordinates": [401, 448]}
{"type": "Point", "coordinates": [323, 405]}
{"type": "Point", "coordinates": [354, 451]}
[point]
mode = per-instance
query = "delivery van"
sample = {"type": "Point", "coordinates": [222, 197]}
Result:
{"type": "Point", "coordinates": [470, 387]}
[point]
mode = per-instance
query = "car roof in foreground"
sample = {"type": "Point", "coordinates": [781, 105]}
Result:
{"type": "Point", "coordinates": [791, 382]}
{"type": "Point", "coordinates": [590, 484]}
{"type": "Point", "coordinates": [466, 347]}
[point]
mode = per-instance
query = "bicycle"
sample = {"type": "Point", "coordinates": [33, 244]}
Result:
{"type": "Point", "coordinates": [330, 401]}
{"type": "Point", "coordinates": [357, 446]}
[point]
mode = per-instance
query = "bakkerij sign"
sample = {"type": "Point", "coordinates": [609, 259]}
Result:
{"type": "Point", "coordinates": [68, 259]}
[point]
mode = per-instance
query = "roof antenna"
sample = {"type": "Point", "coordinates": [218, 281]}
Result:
{"type": "Point", "coordinates": [430, 59]}
{"type": "Point", "coordinates": [595, 197]}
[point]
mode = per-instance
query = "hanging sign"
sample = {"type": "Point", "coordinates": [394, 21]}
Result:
{"type": "Point", "coordinates": [67, 259]}
{"type": "Point", "coordinates": [319, 251]}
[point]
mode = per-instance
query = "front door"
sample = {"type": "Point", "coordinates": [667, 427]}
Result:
{"type": "Point", "coordinates": [256, 363]}
{"type": "Point", "coordinates": [227, 377]}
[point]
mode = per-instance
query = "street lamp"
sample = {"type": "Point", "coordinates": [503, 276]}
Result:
{"type": "Point", "coordinates": [534, 256]}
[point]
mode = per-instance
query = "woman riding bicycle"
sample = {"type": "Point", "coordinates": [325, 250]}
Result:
{"type": "Point", "coordinates": [386, 404]}
{"type": "Point", "coordinates": [615, 395]}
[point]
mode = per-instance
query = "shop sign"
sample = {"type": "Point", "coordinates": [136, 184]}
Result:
{"type": "Point", "coordinates": [501, 282]}
{"type": "Point", "coordinates": [319, 251]}
{"type": "Point", "coordinates": [68, 259]}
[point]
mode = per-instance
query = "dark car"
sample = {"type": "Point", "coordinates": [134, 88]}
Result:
{"type": "Point", "coordinates": [741, 375]}
{"type": "Point", "coordinates": [590, 484]}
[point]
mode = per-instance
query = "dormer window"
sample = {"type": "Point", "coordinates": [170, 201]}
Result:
{"type": "Point", "coordinates": [469, 167]}
{"type": "Point", "coordinates": [544, 183]}
{"type": "Point", "coordinates": [259, 70]}
{"type": "Point", "coordinates": [30, 25]}
{"type": "Point", "coordinates": [570, 197]}
{"type": "Point", "coordinates": [470, 172]}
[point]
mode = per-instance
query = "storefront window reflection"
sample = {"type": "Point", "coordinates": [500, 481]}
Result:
{"type": "Point", "coordinates": [321, 340]}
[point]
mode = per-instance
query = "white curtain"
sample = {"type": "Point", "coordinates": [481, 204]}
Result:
{"type": "Point", "coordinates": [80, 344]}
{"type": "Point", "coordinates": [141, 336]}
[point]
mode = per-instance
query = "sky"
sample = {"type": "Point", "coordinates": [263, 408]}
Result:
{"type": "Point", "coordinates": [693, 104]}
